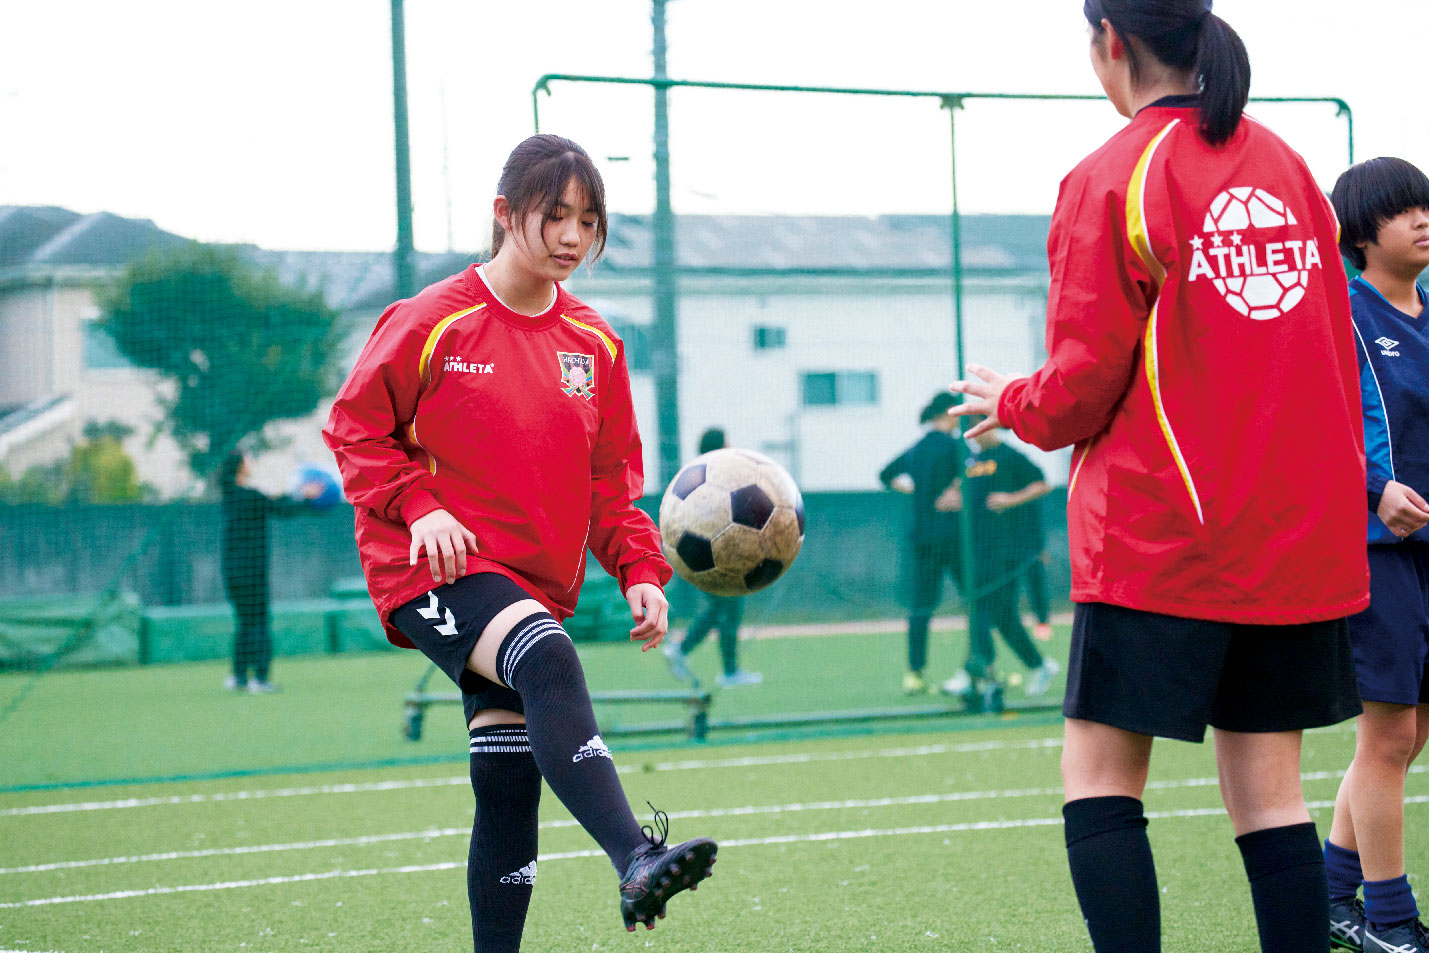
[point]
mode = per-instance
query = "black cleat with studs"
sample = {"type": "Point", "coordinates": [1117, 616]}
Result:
{"type": "Point", "coordinates": [656, 873]}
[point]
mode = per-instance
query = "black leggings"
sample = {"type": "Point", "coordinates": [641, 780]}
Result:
{"type": "Point", "coordinates": [252, 636]}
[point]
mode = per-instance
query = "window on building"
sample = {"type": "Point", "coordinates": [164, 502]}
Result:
{"type": "Point", "coordinates": [840, 388]}
{"type": "Point", "coordinates": [770, 337]}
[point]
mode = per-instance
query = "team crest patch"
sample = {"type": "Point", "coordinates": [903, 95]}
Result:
{"type": "Point", "coordinates": [577, 374]}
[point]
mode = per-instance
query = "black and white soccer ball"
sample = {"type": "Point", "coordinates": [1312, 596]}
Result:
{"type": "Point", "coordinates": [731, 522]}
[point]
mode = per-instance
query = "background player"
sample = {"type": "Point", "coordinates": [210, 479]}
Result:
{"type": "Point", "coordinates": [723, 613]}
{"type": "Point", "coordinates": [927, 471]}
{"type": "Point", "coordinates": [488, 426]}
{"type": "Point", "coordinates": [1215, 509]}
{"type": "Point", "coordinates": [1383, 207]}
{"type": "Point", "coordinates": [244, 561]}
{"type": "Point", "coordinates": [1001, 489]}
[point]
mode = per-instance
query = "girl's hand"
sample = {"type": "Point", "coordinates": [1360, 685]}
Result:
{"type": "Point", "coordinates": [997, 502]}
{"type": "Point", "coordinates": [650, 610]}
{"type": "Point", "coordinates": [1402, 510]}
{"type": "Point", "coordinates": [986, 393]}
{"type": "Point", "coordinates": [446, 542]}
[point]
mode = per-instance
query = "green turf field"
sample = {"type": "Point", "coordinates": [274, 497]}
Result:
{"type": "Point", "coordinates": [889, 841]}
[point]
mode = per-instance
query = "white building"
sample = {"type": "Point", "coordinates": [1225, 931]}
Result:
{"type": "Point", "coordinates": [814, 340]}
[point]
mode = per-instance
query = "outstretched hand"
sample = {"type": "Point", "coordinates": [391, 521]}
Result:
{"type": "Point", "coordinates": [650, 611]}
{"type": "Point", "coordinates": [446, 543]}
{"type": "Point", "coordinates": [985, 392]}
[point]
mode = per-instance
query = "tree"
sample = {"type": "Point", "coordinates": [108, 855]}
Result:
{"type": "Point", "coordinates": [239, 348]}
{"type": "Point", "coordinates": [97, 471]}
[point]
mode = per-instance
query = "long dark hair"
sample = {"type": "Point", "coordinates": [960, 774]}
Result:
{"type": "Point", "coordinates": [1183, 34]}
{"type": "Point", "coordinates": [535, 176]}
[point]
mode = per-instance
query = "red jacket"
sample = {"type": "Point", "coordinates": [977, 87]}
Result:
{"type": "Point", "coordinates": [1202, 359]}
{"type": "Point", "coordinates": [521, 427]}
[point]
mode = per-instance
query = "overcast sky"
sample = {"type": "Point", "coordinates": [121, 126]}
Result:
{"type": "Point", "coordinates": [271, 121]}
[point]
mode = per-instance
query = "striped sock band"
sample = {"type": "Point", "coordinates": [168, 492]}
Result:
{"type": "Point", "coordinates": [523, 637]}
{"type": "Point", "coordinates": [500, 739]}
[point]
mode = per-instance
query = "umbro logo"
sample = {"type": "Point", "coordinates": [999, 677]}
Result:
{"type": "Point", "coordinates": [594, 748]}
{"type": "Point", "coordinates": [526, 875]}
{"type": "Point", "coordinates": [455, 363]}
{"type": "Point", "coordinates": [1387, 346]}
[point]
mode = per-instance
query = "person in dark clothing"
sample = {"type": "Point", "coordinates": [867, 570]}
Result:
{"type": "Point", "coordinates": [1001, 488]}
{"type": "Point", "coordinates": [927, 471]}
{"type": "Point", "coordinates": [244, 563]}
{"type": "Point", "coordinates": [722, 613]}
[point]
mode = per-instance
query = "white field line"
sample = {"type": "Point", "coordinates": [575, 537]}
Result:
{"type": "Point", "coordinates": [546, 858]}
{"type": "Point", "coordinates": [747, 811]}
{"type": "Point", "coordinates": [462, 780]}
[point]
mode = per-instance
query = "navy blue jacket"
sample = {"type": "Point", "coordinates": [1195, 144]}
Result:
{"type": "Point", "coordinates": [1394, 388]}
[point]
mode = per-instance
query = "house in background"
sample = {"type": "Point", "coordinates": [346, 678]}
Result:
{"type": "Point", "coordinates": [815, 340]}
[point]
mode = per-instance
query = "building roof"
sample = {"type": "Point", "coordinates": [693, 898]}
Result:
{"type": "Point", "coordinates": [845, 244]}
{"type": "Point", "coordinates": [49, 236]}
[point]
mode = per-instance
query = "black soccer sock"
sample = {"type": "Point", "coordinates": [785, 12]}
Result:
{"type": "Point", "coordinates": [1287, 886]}
{"type": "Point", "coordinates": [501, 867]}
{"type": "Point", "coordinates": [1113, 873]}
{"type": "Point", "coordinates": [540, 663]}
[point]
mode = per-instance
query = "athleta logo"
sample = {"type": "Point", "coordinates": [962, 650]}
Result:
{"type": "Point", "coordinates": [594, 748]}
{"type": "Point", "coordinates": [526, 875]}
{"type": "Point", "coordinates": [1261, 280]}
{"type": "Point", "coordinates": [455, 363]}
{"type": "Point", "coordinates": [1387, 346]}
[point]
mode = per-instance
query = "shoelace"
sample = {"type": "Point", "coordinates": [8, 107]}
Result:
{"type": "Point", "coordinates": [662, 821]}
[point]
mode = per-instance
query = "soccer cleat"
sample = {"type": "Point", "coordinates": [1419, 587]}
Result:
{"type": "Point", "coordinates": [1409, 937]}
{"type": "Point", "coordinates": [914, 684]}
{"type": "Point", "coordinates": [959, 683]}
{"type": "Point", "coordinates": [1040, 678]}
{"type": "Point", "coordinates": [1347, 925]}
{"type": "Point", "coordinates": [739, 677]}
{"type": "Point", "coordinates": [262, 688]}
{"type": "Point", "coordinates": [233, 684]}
{"type": "Point", "coordinates": [656, 873]}
{"type": "Point", "coordinates": [1042, 632]}
{"type": "Point", "coordinates": [984, 697]}
{"type": "Point", "coordinates": [676, 660]}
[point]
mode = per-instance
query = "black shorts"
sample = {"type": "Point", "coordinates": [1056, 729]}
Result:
{"type": "Point", "coordinates": [1391, 637]}
{"type": "Point", "coordinates": [1166, 676]}
{"type": "Point", "coordinates": [459, 613]}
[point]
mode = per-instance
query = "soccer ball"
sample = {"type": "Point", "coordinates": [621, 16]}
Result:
{"type": "Point", "coordinates": [1259, 296]}
{"type": "Point", "coordinates": [731, 522]}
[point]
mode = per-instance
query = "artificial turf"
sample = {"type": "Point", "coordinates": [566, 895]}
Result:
{"type": "Point", "coordinates": [940, 840]}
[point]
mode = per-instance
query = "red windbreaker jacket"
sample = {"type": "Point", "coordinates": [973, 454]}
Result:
{"type": "Point", "coordinates": [1201, 358]}
{"type": "Point", "coordinates": [521, 427]}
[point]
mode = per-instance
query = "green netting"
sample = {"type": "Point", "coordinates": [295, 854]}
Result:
{"type": "Point", "coordinates": [816, 313]}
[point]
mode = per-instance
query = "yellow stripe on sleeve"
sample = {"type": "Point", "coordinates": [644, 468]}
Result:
{"type": "Point", "coordinates": [1136, 228]}
{"type": "Point", "coordinates": [604, 338]}
{"type": "Point", "coordinates": [432, 338]}
{"type": "Point", "coordinates": [1139, 233]}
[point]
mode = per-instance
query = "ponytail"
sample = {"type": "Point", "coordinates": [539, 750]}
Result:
{"type": "Point", "coordinates": [1186, 35]}
{"type": "Point", "coordinates": [1223, 69]}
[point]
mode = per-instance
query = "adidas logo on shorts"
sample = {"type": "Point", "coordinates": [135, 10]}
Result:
{"type": "Point", "coordinates": [594, 748]}
{"type": "Point", "coordinates": [526, 875]}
